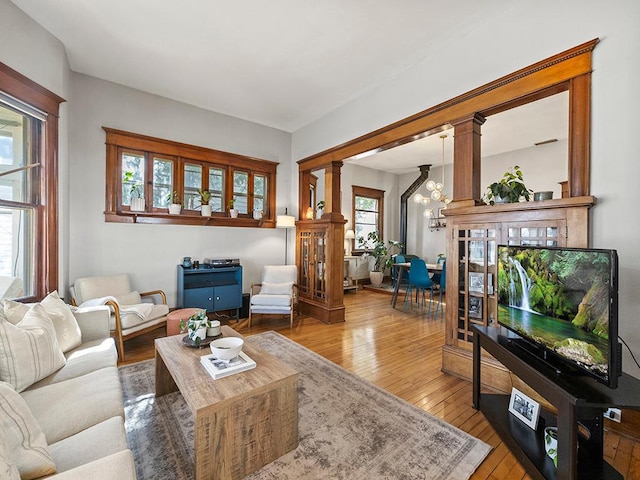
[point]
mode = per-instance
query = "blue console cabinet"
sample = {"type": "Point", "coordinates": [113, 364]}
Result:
{"type": "Point", "coordinates": [213, 289]}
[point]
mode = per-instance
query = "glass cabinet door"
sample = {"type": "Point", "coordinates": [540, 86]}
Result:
{"type": "Point", "coordinates": [477, 245]}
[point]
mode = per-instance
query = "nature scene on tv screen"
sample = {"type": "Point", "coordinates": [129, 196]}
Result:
{"type": "Point", "coordinates": [559, 298]}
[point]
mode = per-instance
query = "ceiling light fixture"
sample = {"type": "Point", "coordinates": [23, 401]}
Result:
{"type": "Point", "coordinates": [435, 190]}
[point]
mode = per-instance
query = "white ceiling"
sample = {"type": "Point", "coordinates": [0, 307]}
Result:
{"type": "Point", "coordinates": [280, 63]}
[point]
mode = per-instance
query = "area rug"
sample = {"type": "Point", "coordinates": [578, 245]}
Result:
{"type": "Point", "coordinates": [348, 428]}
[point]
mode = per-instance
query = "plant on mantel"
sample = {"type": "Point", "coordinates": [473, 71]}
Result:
{"type": "Point", "coordinates": [510, 189]}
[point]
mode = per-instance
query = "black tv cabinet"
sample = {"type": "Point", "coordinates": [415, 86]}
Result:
{"type": "Point", "coordinates": [577, 400]}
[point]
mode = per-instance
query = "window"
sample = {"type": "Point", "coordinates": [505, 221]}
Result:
{"type": "Point", "coordinates": [368, 208]}
{"type": "Point", "coordinates": [162, 182]}
{"type": "Point", "coordinates": [148, 167]}
{"type": "Point", "coordinates": [28, 188]}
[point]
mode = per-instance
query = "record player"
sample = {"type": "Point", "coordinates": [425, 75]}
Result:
{"type": "Point", "coordinates": [221, 262]}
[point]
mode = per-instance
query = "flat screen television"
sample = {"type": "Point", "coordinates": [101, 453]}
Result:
{"type": "Point", "coordinates": [563, 303]}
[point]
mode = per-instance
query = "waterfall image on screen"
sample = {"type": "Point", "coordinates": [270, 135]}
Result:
{"type": "Point", "coordinates": [560, 299]}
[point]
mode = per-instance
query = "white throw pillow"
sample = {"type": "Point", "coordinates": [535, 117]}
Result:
{"type": "Point", "coordinates": [276, 288]}
{"type": "Point", "coordinates": [132, 298]}
{"type": "Point", "coordinates": [25, 443]}
{"type": "Point", "coordinates": [29, 351]}
{"type": "Point", "coordinates": [67, 329]}
{"type": "Point", "coordinates": [15, 311]}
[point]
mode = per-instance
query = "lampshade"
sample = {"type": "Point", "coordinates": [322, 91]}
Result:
{"type": "Point", "coordinates": [285, 221]}
{"type": "Point", "coordinates": [349, 235]}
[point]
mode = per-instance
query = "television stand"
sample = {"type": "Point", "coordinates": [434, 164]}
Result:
{"type": "Point", "coordinates": [578, 400]}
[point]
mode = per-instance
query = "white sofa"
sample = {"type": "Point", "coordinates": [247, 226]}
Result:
{"type": "Point", "coordinates": [71, 422]}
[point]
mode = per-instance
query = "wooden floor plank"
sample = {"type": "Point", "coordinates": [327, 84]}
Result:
{"type": "Point", "coordinates": [402, 353]}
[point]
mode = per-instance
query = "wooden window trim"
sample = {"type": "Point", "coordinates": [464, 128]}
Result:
{"type": "Point", "coordinates": [46, 249]}
{"type": "Point", "coordinates": [357, 191]}
{"type": "Point", "coordinates": [180, 153]}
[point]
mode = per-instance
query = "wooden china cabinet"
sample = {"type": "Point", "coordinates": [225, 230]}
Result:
{"type": "Point", "coordinates": [320, 248]}
{"type": "Point", "coordinates": [474, 234]}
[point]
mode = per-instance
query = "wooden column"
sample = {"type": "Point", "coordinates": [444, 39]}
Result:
{"type": "Point", "coordinates": [579, 135]}
{"type": "Point", "coordinates": [466, 154]}
{"type": "Point", "coordinates": [332, 198]}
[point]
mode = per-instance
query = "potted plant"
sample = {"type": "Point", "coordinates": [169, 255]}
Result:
{"type": "Point", "coordinates": [174, 203]}
{"type": "Point", "coordinates": [382, 254]}
{"type": "Point", "coordinates": [136, 193]}
{"type": "Point", "coordinates": [509, 189]}
{"type": "Point", "coordinates": [233, 213]}
{"type": "Point", "coordinates": [320, 209]}
{"type": "Point", "coordinates": [205, 208]}
{"type": "Point", "coordinates": [196, 326]}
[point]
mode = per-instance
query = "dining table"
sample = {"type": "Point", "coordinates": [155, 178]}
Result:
{"type": "Point", "coordinates": [405, 267]}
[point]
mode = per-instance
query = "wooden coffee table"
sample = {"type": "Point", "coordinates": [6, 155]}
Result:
{"type": "Point", "coordinates": [242, 422]}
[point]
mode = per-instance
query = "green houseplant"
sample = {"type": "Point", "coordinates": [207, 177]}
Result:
{"type": "Point", "coordinates": [174, 203]}
{"type": "Point", "coordinates": [205, 208]}
{"type": "Point", "coordinates": [196, 326]}
{"type": "Point", "coordinates": [135, 193]}
{"type": "Point", "coordinates": [233, 213]}
{"type": "Point", "coordinates": [381, 252]}
{"type": "Point", "coordinates": [509, 189]}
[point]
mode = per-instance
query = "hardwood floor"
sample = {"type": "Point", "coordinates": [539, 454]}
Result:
{"type": "Point", "coordinates": [401, 353]}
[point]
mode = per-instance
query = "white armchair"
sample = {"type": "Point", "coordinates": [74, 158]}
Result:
{"type": "Point", "coordinates": [132, 313]}
{"type": "Point", "coordinates": [277, 294]}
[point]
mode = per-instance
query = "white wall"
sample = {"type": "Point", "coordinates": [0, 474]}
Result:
{"type": "Point", "coordinates": [150, 253]}
{"type": "Point", "coordinates": [526, 32]}
{"type": "Point", "coordinates": [31, 50]}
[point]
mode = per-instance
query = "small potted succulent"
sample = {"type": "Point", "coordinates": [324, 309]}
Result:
{"type": "Point", "coordinates": [233, 213]}
{"type": "Point", "coordinates": [320, 209]}
{"type": "Point", "coordinates": [196, 327]}
{"type": "Point", "coordinates": [174, 203]}
{"type": "Point", "coordinates": [136, 192]}
{"type": "Point", "coordinates": [205, 208]}
{"type": "Point", "coordinates": [509, 189]}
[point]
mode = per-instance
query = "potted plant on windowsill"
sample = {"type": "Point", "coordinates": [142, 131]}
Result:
{"type": "Point", "coordinates": [205, 208]}
{"type": "Point", "coordinates": [175, 206]}
{"type": "Point", "coordinates": [382, 254]}
{"type": "Point", "coordinates": [320, 209]}
{"type": "Point", "coordinates": [233, 213]}
{"type": "Point", "coordinates": [509, 189]}
{"type": "Point", "coordinates": [136, 193]}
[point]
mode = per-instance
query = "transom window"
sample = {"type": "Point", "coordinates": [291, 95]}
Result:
{"type": "Point", "coordinates": [368, 208]}
{"type": "Point", "coordinates": [168, 172]}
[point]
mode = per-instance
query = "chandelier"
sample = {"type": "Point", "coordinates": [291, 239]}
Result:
{"type": "Point", "coordinates": [435, 193]}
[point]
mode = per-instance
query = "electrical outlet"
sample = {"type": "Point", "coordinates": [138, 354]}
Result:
{"type": "Point", "coordinates": [613, 414]}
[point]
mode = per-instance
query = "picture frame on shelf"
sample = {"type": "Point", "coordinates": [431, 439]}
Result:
{"type": "Point", "coordinates": [476, 282]}
{"type": "Point", "coordinates": [475, 307]}
{"type": "Point", "coordinates": [524, 408]}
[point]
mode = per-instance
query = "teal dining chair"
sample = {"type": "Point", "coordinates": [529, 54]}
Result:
{"type": "Point", "coordinates": [420, 280]}
{"type": "Point", "coordinates": [442, 288]}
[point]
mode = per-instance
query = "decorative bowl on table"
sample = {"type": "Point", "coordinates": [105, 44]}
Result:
{"type": "Point", "coordinates": [226, 348]}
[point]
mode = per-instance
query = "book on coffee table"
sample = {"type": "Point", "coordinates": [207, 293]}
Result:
{"type": "Point", "coordinates": [222, 368]}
